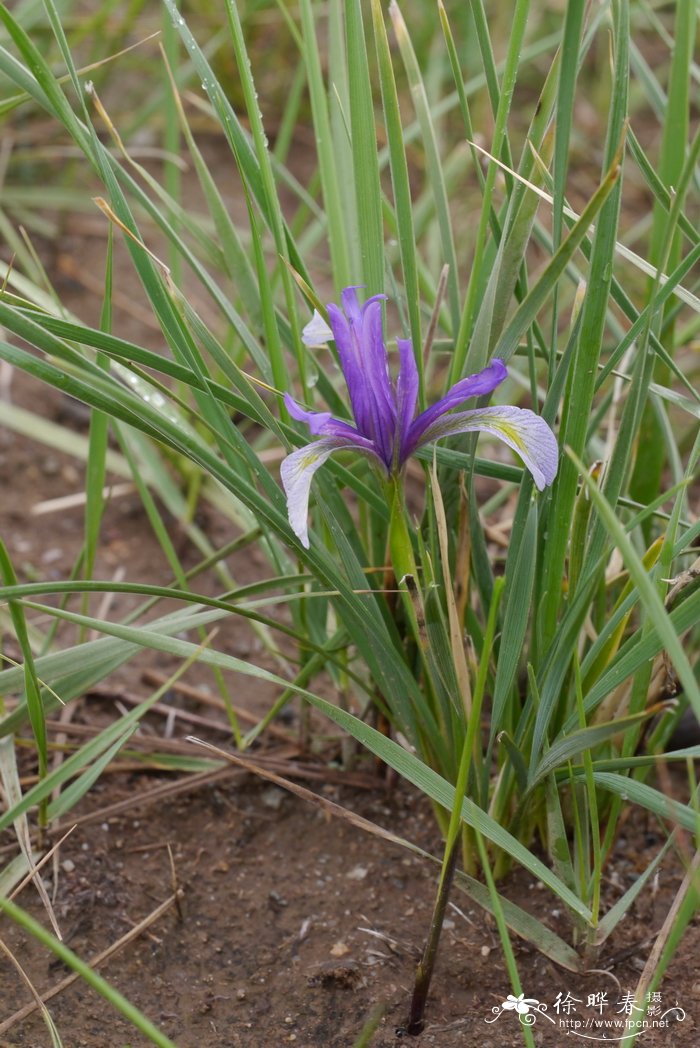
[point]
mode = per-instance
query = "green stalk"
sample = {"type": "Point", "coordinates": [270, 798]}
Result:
{"type": "Point", "coordinates": [364, 151]}
{"type": "Point", "coordinates": [35, 708]}
{"type": "Point", "coordinates": [337, 237]}
{"type": "Point", "coordinates": [274, 211]}
{"type": "Point", "coordinates": [424, 972]}
{"type": "Point", "coordinates": [172, 175]}
{"type": "Point", "coordinates": [97, 454]}
{"type": "Point", "coordinates": [401, 185]}
{"type": "Point", "coordinates": [672, 153]}
{"type": "Point", "coordinates": [434, 166]}
{"type": "Point", "coordinates": [499, 143]}
{"type": "Point", "coordinates": [503, 931]}
{"type": "Point", "coordinates": [579, 399]}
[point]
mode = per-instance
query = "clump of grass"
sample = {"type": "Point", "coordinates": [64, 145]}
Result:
{"type": "Point", "coordinates": [583, 629]}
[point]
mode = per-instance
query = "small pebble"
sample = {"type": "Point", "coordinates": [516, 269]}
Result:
{"type": "Point", "coordinates": [272, 798]}
{"type": "Point", "coordinates": [50, 466]}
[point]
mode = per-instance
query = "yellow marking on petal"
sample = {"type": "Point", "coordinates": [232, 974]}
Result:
{"type": "Point", "coordinates": [511, 432]}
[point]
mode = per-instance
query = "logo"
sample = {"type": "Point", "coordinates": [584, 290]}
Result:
{"type": "Point", "coordinates": [600, 1018]}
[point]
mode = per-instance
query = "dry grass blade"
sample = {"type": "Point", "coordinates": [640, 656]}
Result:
{"type": "Point", "coordinates": [38, 1002]}
{"type": "Point", "coordinates": [155, 743]}
{"type": "Point", "coordinates": [456, 629]}
{"type": "Point", "coordinates": [199, 695]}
{"type": "Point", "coordinates": [171, 713]}
{"type": "Point", "coordinates": [326, 805]}
{"type": "Point", "coordinates": [435, 315]}
{"type": "Point", "coordinates": [198, 780]}
{"type": "Point", "coordinates": [53, 850]}
{"type": "Point", "coordinates": [94, 962]}
{"type": "Point", "coordinates": [77, 500]}
{"type": "Point", "coordinates": [114, 218]}
{"type": "Point", "coordinates": [13, 793]}
{"type": "Point", "coordinates": [190, 784]}
{"type": "Point", "coordinates": [689, 884]}
{"type": "Point", "coordinates": [681, 292]}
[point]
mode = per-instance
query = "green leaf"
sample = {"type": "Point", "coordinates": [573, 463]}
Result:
{"type": "Point", "coordinates": [567, 747]}
{"type": "Point", "coordinates": [364, 150]}
{"type": "Point", "coordinates": [647, 797]}
{"type": "Point", "coordinates": [88, 974]}
{"type": "Point", "coordinates": [515, 621]}
{"type": "Point", "coordinates": [648, 592]}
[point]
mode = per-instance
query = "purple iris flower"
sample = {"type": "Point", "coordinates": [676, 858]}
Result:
{"type": "Point", "coordinates": [386, 428]}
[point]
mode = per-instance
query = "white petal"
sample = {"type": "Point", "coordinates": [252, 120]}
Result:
{"type": "Point", "coordinates": [297, 472]}
{"type": "Point", "coordinates": [317, 332]}
{"type": "Point", "coordinates": [521, 429]}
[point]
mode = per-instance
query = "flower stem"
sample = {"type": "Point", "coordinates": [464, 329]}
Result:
{"type": "Point", "coordinates": [424, 973]}
{"type": "Point", "coordinates": [400, 545]}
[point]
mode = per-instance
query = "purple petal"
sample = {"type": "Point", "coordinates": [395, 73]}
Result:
{"type": "Point", "coordinates": [350, 362]}
{"type": "Point", "coordinates": [380, 393]}
{"type": "Point", "coordinates": [483, 382]}
{"type": "Point", "coordinates": [406, 391]}
{"type": "Point", "coordinates": [363, 358]}
{"type": "Point", "coordinates": [519, 428]}
{"type": "Point", "coordinates": [315, 420]}
{"type": "Point", "coordinates": [297, 472]}
{"type": "Point", "coordinates": [320, 422]}
{"type": "Point", "coordinates": [351, 304]}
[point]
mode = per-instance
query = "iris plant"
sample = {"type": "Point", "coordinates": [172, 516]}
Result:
{"type": "Point", "coordinates": [387, 429]}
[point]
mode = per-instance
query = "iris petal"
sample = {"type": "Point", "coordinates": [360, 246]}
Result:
{"type": "Point", "coordinates": [297, 471]}
{"type": "Point", "coordinates": [519, 428]}
{"type": "Point", "coordinates": [357, 330]}
{"type": "Point", "coordinates": [406, 392]}
{"type": "Point", "coordinates": [351, 303]}
{"type": "Point", "coordinates": [383, 411]}
{"type": "Point", "coordinates": [316, 332]}
{"type": "Point", "coordinates": [320, 423]}
{"type": "Point", "coordinates": [483, 382]}
{"type": "Point", "coordinates": [351, 364]}
{"type": "Point", "coordinates": [379, 392]}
